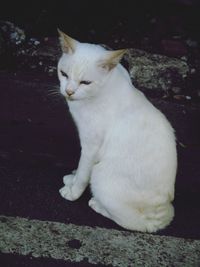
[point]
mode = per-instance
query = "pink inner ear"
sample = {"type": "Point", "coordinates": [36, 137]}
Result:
{"type": "Point", "coordinates": [103, 66]}
{"type": "Point", "coordinates": [68, 44]}
{"type": "Point", "coordinates": [106, 65]}
{"type": "Point", "coordinates": [111, 59]}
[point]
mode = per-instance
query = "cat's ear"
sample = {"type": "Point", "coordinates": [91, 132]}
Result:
{"type": "Point", "coordinates": [68, 44]}
{"type": "Point", "coordinates": [112, 58]}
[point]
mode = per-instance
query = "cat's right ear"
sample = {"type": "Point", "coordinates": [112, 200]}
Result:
{"type": "Point", "coordinates": [111, 59]}
{"type": "Point", "coordinates": [68, 44]}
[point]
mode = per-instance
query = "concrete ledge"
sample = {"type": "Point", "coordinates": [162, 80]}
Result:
{"type": "Point", "coordinates": [96, 245]}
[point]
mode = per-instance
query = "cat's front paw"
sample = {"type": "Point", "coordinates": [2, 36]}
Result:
{"type": "Point", "coordinates": [66, 192]}
{"type": "Point", "coordinates": [71, 192]}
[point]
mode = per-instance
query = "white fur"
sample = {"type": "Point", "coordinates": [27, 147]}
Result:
{"type": "Point", "coordinates": [128, 146]}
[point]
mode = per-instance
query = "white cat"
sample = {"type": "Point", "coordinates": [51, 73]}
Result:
{"type": "Point", "coordinates": [128, 147]}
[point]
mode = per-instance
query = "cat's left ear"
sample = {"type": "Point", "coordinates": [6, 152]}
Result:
{"type": "Point", "coordinates": [112, 58]}
{"type": "Point", "coordinates": [68, 44]}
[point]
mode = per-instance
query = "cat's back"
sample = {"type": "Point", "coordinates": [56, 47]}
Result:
{"type": "Point", "coordinates": [136, 113]}
{"type": "Point", "coordinates": [139, 126]}
{"type": "Point", "coordinates": [141, 144]}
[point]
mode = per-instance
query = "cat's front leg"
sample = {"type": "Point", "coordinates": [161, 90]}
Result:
{"type": "Point", "coordinates": [69, 178]}
{"type": "Point", "coordinates": [76, 184]}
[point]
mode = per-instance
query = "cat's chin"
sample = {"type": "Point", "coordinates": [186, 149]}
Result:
{"type": "Point", "coordinates": [74, 98]}
{"type": "Point", "coordinates": [70, 98]}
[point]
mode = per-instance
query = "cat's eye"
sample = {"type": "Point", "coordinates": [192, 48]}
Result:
{"type": "Point", "coordinates": [85, 82]}
{"type": "Point", "coordinates": [64, 74]}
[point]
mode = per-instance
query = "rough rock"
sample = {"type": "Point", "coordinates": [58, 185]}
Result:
{"type": "Point", "coordinates": [11, 33]}
{"type": "Point", "coordinates": [148, 71]}
{"type": "Point", "coordinates": [152, 71]}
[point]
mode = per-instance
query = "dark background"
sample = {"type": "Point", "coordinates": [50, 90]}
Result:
{"type": "Point", "coordinates": [136, 23]}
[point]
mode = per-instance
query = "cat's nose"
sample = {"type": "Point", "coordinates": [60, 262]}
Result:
{"type": "Point", "coordinates": [69, 92]}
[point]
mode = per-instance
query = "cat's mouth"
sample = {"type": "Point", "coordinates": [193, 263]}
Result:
{"type": "Point", "coordinates": [70, 98]}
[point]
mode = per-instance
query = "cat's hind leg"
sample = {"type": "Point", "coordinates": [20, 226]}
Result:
{"type": "Point", "coordinates": [96, 206]}
{"type": "Point", "coordinates": [150, 220]}
{"type": "Point", "coordinates": [137, 219]}
{"type": "Point", "coordinates": [138, 215]}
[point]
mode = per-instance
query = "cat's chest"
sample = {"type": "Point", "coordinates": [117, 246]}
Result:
{"type": "Point", "coordinates": [86, 117]}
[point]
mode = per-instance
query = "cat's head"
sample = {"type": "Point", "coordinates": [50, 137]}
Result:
{"type": "Point", "coordinates": [84, 68]}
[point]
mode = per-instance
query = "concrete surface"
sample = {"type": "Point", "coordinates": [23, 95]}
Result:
{"type": "Point", "coordinates": [96, 245]}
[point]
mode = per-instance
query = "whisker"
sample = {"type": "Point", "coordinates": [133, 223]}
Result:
{"type": "Point", "coordinates": [54, 89]}
{"type": "Point", "coordinates": [53, 93]}
{"type": "Point", "coordinates": [49, 91]}
{"type": "Point", "coordinates": [55, 96]}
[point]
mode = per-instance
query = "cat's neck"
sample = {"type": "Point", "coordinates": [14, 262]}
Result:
{"type": "Point", "coordinates": [117, 88]}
